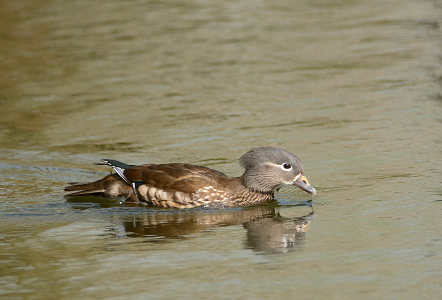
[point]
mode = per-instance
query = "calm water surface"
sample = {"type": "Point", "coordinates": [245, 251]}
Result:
{"type": "Point", "coordinates": [352, 87]}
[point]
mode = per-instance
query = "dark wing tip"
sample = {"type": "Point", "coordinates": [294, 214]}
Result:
{"type": "Point", "coordinates": [106, 162]}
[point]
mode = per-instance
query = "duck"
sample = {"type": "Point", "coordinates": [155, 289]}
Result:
{"type": "Point", "coordinates": [180, 185]}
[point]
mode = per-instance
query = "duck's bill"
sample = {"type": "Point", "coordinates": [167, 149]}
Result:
{"type": "Point", "coordinates": [302, 183]}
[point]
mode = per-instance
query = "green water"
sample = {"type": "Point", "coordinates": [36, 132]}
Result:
{"type": "Point", "coordinates": [351, 87]}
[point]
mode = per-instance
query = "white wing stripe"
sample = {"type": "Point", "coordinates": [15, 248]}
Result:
{"type": "Point", "coordinates": [120, 173]}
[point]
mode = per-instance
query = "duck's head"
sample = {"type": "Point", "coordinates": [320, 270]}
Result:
{"type": "Point", "coordinates": [268, 168]}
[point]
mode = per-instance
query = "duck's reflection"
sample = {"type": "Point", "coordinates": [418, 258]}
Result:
{"type": "Point", "coordinates": [276, 233]}
{"type": "Point", "coordinates": [268, 231]}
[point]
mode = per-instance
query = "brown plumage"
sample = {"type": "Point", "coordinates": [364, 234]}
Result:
{"type": "Point", "coordinates": [179, 185]}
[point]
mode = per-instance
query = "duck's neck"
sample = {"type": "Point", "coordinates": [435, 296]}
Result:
{"type": "Point", "coordinates": [244, 195]}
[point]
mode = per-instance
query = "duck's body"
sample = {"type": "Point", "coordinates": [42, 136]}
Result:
{"type": "Point", "coordinates": [179, 185]}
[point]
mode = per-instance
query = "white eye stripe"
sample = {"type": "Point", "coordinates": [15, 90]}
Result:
{"type": "Point", "coordinates": [281, 166]}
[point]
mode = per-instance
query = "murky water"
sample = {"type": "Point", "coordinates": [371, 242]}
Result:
{"type": "Point", "coordinates": [352, 87]}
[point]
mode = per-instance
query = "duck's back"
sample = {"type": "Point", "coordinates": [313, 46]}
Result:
{"type": "Point", "coordinates": [176, 176]}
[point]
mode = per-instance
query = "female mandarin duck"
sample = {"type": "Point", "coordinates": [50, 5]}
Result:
{"type": "Point", "coordinates": [184, 186]}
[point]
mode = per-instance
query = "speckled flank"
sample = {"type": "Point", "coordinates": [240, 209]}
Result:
{"type": "Point", "coordinates": [154, 196]}
{"type": "Point", "coordinates": [210, 194]}
{"type": "Point", "coordinates": [207, 196]}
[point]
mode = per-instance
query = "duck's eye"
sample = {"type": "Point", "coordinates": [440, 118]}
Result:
{"type": "Point", "coordinates": [287, 166]}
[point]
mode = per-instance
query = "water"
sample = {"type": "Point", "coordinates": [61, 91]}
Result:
{"type": "Point", "coordinates": [351, 87]}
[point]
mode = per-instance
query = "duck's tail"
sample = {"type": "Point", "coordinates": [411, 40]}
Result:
{"type": "Point", "coordinates": [114, 186]}
{"type": "Point", "coordinates": [98, 187]}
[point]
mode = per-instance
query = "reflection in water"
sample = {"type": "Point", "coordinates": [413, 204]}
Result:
{"type": "Point", "coordinates": [276, 233]}
{"type": "Point", "coordinates": [267, 230]}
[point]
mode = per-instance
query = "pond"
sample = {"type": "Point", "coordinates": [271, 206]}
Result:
{"type": "Point", "coordinates": [351, 87]}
